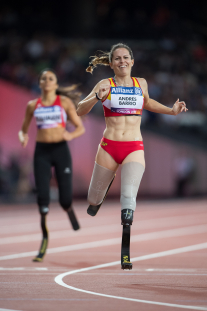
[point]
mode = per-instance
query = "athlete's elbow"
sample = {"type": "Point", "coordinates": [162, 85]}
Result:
{"type": "Point", "coordinates": [78, 110]}
{"type": "Point", "coordinates": [80, 113]}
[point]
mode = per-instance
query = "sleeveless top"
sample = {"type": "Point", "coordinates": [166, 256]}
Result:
{"type": "Point", "coordinates": [123, 100]}
{"type": "Point", "coordinates": [50, 116]}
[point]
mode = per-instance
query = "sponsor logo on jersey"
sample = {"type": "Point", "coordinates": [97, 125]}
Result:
{"type": "Point", "coordinates": [138, 91]}
{"type": "Point", "coordinates": [44, 110]}
{"type": "Point", "coordinates": [122, 90]}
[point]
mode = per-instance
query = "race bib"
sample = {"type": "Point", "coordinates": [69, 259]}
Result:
{"type": "Point", "coordinates": [126, 100]}
{"type": "Point", "coordinates": [48, 117]}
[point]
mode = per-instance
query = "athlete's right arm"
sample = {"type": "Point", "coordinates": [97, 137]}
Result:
{"type": "Point", "coordinates": [22, 134]}
{"type": "Point", "coordinates": [102, 90]}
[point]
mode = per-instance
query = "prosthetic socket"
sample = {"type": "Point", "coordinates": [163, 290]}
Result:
{"type": "Point", "coordinates": [43, 210]}
{"type": "Point", "coordinates": [100, 181]}
{"type": "Point", "coordinates": [131, 175]}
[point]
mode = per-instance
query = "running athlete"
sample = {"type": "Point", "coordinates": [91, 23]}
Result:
{"type": "Point", "coordinates": [123, 98]}
{"type": "Point", "coordinates": [51, 111]}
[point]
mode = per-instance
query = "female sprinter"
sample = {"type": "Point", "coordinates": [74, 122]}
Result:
{"type": "Point", "coordinates": [51, 111]}
{"type": "Point", "coordinates": [123, 98]}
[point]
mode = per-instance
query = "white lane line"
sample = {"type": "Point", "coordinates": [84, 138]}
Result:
{"type": "Point", "coordinates": [44, 299]}
{"type": "Point", "coordinates": [59, 278]}
{"type": "Point", "coordinates": [7, 310]}
{"type": "Point", "coordinates": [137, 238]}
{"type": "Point", "coordinates": [85, 231]}
{"type": "Point", "coordinates": [143, 224]}
{"type": "Point", "coordinates": [12, 269]}
{"type": "Point", "coordinates": [172, 270]}
{"type": "Point", "coordinates": [60, 234]}
{"type": "Point", "coordinates": [29, 227]}
{"type": "Point", "coordinates": [22, 268]}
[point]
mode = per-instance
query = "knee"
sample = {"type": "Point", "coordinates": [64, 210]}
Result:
{"type": "Point", "coordinates": [43, 210]}
{"type": "Point", "coordinates": [66, 204]}
{"type": "Point", "coordinates": [43, 200]}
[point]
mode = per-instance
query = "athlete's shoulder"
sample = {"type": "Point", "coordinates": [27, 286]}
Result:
{"type": "Point", "coordinates": [104, 81]}
{"type": "Point", "coordinates": [66, 102]}
{"type": "Point", "coordinates": [142, 82]}
{"type": "Point", "coordinates": [32, 104]}
{"type": "Point", "coordinates": [63, 98]}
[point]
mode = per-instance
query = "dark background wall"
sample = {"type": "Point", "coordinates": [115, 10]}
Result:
{"type": "Point", "coordinates": [104, 18]}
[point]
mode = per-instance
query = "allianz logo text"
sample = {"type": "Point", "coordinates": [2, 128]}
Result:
{"type": "Point", "coordinates": [121, 90]}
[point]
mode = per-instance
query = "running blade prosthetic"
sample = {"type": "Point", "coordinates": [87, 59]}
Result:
{"type": "Point", "coordinates": [42, 251]}
{"type": "Point", "coordinates": [93, 209]}
{"type": "Point", "coordinates": [73, 219]}
{"type": "Point", "coordinates": [125, 249]}
{"type": "Point", "coordinates": [44, 243]}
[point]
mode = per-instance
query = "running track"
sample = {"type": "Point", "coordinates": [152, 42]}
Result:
{"type": "Point", "coordinates": [81, 270]}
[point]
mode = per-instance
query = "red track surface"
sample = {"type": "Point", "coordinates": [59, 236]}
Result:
{"type": "Point", "coordinates": [174, 280]}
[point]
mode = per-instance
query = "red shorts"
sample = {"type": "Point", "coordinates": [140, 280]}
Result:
{"type": "Point", "coordinates": [119, 150]}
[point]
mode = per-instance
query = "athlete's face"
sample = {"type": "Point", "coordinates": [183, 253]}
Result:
{"type": "Point", "coordinates": [121, 62]}
{"type": "Point", "coordinates": [48, 81]}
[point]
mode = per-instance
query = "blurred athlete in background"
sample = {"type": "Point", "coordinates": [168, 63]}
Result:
{"type": "Point", "coordinates": [51, 111]}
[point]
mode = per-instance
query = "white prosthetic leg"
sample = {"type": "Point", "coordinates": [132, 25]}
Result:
{"type": "Point", "coordinates": [100, 184]}
{"type": "Point", "coordinates": [131, 175]}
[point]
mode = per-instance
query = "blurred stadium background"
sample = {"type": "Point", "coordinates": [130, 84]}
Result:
{"type": "Point", "coordinates": [169, 41]}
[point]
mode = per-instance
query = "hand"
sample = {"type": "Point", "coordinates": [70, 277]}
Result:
{"type": "Point", "coordinates": [103, 90]}
{"type": "Point", "coordinates": [67, 136]}
{"type": "Point", "coordinates": [23, 138]}
{"type": "Point", "coordinates": [178, 107]}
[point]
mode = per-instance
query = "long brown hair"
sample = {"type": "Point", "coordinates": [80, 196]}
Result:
{"type": "Point", "coordinates": [67, 91]}
{"type": "Point", "coordinates": [104, 58]}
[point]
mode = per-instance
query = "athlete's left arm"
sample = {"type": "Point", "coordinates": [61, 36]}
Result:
{"type": "Point", "coordinates": [154, 106]}
{"type": "Point", "coordinates": [74, 119]}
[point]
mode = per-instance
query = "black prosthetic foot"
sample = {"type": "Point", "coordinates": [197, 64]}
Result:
{"type": "Point", "coordinates": [73, 219]}
{"type": "Point", "coordinates": [93, 209]}
{"type": "Point", "coordinates": [125, 249]}
{"type": "Point", "coordinates": [44, 243]}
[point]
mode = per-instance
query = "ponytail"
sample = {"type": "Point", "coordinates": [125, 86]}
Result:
{"type": "Point", "coordinates": [102, 59]}
{"type": "Point", "coordinates": [68, 91]}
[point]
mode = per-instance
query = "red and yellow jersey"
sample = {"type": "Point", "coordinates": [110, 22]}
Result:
{"type": "Point", "coordinates": [50, 116]}
{"type": "Point", "coordinates": [123, 100]}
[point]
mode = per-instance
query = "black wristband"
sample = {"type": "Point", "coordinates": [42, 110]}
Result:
{"type": "Point", "coordinates": [98, 96]}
